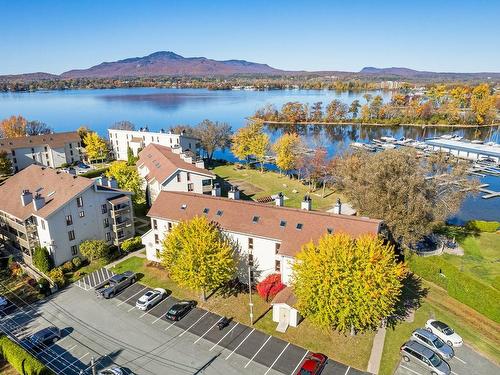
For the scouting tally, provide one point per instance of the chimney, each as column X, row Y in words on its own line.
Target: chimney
column 200, row 163
column 338, row 207
column 306, row 203
column 26, row 197
column 234, row 193
column 176, row 149
column 112, row 183
column 38, row 202
column 279, row 199
column 216, row 190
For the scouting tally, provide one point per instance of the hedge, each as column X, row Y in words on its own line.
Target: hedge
column 132, row 244
column 466, row 289
column 42, row 259
column 20, row 359
column 484, row 226
column 94, row 172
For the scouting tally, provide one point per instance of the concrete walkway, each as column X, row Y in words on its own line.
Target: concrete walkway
column 377, row 349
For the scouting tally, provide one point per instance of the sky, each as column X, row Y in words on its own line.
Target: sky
column 440, row 35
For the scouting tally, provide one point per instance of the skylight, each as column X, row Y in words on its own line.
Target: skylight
column 205, row 210
column 255, row 219
column 329, row 230
column 219, row 213
column 282, row 223
column 299, row 226
column 183, row 206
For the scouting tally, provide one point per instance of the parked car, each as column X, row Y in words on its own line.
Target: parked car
column 413, row 351
column 179, row 310
column 444, row 332
column 111, row 287
column 82, row 165
column 151, row 298
column 111, row 371
column 433, row 342
column 41, row 339
column 313, row 364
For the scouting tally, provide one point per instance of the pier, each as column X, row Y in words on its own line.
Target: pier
column 466, row 150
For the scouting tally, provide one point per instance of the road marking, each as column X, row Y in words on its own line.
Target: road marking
column 454, row 373
column 154, row 307
column 278, row 357
column 76, row 360
column 409, row 369
column 93, row 278
column 199, row 338
column 97, row 276
column 346, row 371
column 255, row 355
column 159, row 318
column 461, row 360
column 192, row 325
column 133, row 307
column 298, row 364
column 171, row 324
column 253, row 329
column 223, row 337
column 132, row 296
column 102, row 274
column 60, row 355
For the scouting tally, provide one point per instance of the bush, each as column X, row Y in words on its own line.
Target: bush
column 20, row 359
column 42, row 259
column 94, row 249
column 57, row 276
column 94, row 172
column 132, row 244
column 43, row 286
column 270, row 286
column 67, row 267
column 484, row 226
column 77, row 262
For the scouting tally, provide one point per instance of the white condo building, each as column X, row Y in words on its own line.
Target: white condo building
column 58, row 211
column 121, row 140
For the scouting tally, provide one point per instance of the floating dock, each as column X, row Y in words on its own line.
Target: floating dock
column 466, row 150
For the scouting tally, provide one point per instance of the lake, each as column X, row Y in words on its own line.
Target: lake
column 163, row 108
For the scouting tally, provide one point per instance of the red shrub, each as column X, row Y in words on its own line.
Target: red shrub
column 270, row 286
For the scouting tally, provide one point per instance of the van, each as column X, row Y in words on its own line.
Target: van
column 414, row 352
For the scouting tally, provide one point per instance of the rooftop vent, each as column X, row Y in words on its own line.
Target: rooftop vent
column 255, row 219
column 329, row 230
column 306, row 203
column 219, row 213
column 234, row 193
column 183, row 206
column 299, row 226
column 205, row 210
column 282, row 223
column 279, row 199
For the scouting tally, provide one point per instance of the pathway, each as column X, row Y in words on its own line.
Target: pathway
column 377, row 349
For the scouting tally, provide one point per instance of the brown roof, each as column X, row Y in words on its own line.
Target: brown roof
column 56, row 187
column 120, row 199
column 261, row 220
column 285, row 295
column 55, row 140
column 162, row 162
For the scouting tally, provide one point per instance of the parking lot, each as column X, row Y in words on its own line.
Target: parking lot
column 114, row 331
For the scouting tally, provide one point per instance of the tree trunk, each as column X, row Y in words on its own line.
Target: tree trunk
column 204, row 295
column 353, row 332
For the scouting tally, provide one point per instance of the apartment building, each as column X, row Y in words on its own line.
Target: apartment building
column 51, row 150
column 121, row 140
column 57, row 210
column 170, row 169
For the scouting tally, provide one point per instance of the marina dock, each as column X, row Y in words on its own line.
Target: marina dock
column 467, row 150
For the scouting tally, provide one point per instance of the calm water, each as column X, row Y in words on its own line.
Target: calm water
column 162, row 108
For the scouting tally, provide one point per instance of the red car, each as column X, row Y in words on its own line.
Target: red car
column 313, row 364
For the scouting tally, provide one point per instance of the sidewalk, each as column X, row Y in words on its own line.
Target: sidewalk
column 377, row 349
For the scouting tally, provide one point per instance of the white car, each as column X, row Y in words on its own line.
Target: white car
column 444, row 332
column 111, row 371
column 151, row 298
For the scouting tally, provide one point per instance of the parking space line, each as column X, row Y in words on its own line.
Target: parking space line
column 154, row 307
column 159, row 318
column 96, row 274
column 75, row 361
column 171, row 324
column 102, row 273
column 461, row 360
column 278, row 357
column 346, row 371
column 122, row 302
column 253, row 329
column 93, row 278
column 409, row 369
column 199, row 338
column 192, row 325
column 132, row 308
column 255, row 355
column 217, row 343
column 298, row 364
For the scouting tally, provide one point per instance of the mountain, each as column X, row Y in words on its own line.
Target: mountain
column 38, row 76
column 166, row 63
column 395, row 72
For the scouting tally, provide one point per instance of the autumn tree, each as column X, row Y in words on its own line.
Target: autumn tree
column 197, row 255
column 483, row 104
column 345, row 284
column 123, row 125
column 316, row 114
column 37, row 127
column 294, row 112
column 127, row 178
column 5, row 164
column 375, row 106
column 250, row 141
column 336, row 111
column 354, row 108
column 82, row 132
column 288, row 151
column 14, row 126
column 213, row 136
column 95, row 147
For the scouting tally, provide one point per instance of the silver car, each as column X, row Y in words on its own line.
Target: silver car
column 412, row 351
column 433, row 342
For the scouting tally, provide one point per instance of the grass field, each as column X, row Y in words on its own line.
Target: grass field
column 353, row 351
column 253, row 185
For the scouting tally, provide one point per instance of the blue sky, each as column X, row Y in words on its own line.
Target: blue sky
column 55, row 36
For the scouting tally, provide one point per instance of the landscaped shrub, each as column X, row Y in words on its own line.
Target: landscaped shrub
column 94, row 172
column 42, row 259
column 57, row 276
column 67, row 267
column 77, row 262
column 20, row 359
column 43, row 286
column 270, row 286
column 94, row 249
column 132, row 244
column 484, row 226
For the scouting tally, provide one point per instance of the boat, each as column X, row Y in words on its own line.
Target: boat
column 477, row 142
column 388, row 139
column 388, row 146
column 357, row 145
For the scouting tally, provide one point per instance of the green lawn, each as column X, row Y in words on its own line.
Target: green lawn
column 85, row 270
column 253, row 185
column 354, row 351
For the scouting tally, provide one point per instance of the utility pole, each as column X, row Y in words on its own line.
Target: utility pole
column 250, row 291
column 92, row 364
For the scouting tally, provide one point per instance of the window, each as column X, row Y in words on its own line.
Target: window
column 43, row 224
column 189, row 145
column 188, row 176
column 70, row 146
column 277, row 246
column 13, row 152
column 157, row 253
column 104, row 208
column 81, row 214
column 206, row 182
column 74, row 250
column 69, row 220
column 120, row 233
column 219, row 213
column 169, row 226
column 155, row 224
column 157, row 239
column 255, row 219
column 299, row 226
column 250, row 260
column 32, row 150
column 45, row 148
column 190, row 187
column 277, row 265
column 108, row 236
column 329, row 230
column 282, row 223
column 179, row 177
column 205, row 210
column 106, row 222
column 46, row 156
column 79, row 202
column 250, row 243
column 14, row 160
column 71, row 152
column 71, row 235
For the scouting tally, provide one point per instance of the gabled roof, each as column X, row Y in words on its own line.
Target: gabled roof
column 162, row 163
column 55, row 140
column 56, row 187
column 289, row 226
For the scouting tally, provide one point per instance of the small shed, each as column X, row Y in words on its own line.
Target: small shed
column 284, row 312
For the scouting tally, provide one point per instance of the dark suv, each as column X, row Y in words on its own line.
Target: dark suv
column 179, row 310
column 41, row 339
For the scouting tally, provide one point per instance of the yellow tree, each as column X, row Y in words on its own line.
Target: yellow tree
column 260, row 148
column 95, row 147
column 482, row 103
column 198, row 256
column 14, row 126
column 127, row 178
column 250, row 141
column 346, row 284
column 287, row 149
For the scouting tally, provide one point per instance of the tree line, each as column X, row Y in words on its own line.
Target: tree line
column 440, row 105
